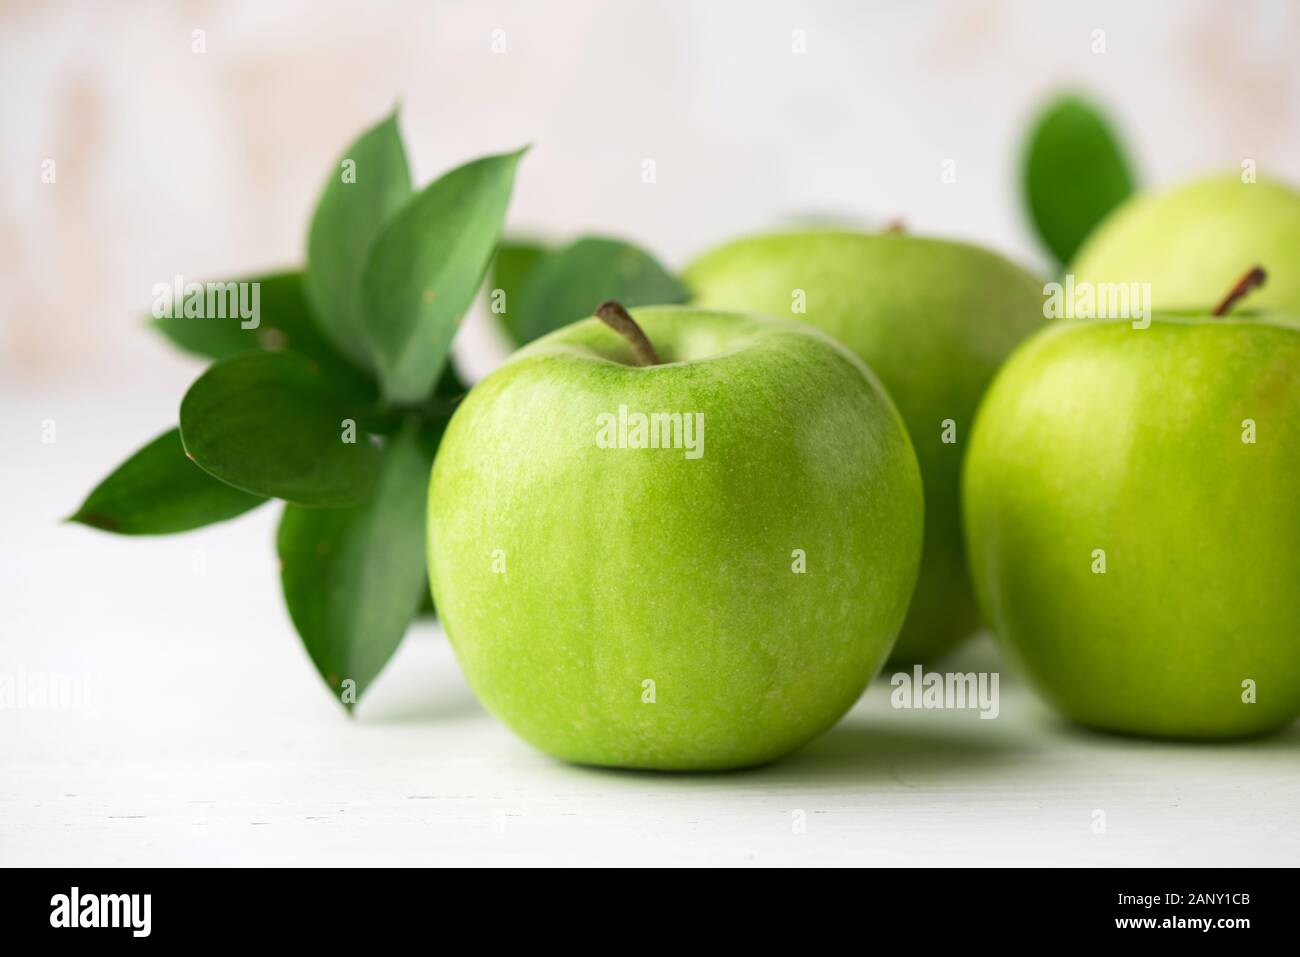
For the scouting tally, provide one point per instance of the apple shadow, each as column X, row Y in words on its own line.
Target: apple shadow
column 855, row 753
column 1279, row 739
column 849, row 755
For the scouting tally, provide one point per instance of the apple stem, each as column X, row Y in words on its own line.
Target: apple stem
column 895, row 227
column 613, row 314
column 1252, row 280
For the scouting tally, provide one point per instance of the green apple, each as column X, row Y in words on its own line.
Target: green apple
column 691, row 559
column 1192, row 241
column 934, row 320
column 1134, row 526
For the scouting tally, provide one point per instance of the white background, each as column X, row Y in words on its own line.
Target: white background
column 206, row 736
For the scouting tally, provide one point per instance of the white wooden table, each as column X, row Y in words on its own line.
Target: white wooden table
column 203, row 735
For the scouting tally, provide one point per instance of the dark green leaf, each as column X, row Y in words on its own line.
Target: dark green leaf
column 425, row 269
column 431, row 431
column 271, row 424
column 449, row 384
column 515, row 260
column 447, row 394
column 284, row 321
column 1075, row 172
column 354, row 578
column 427, row 607
column 369, row 183
column 569, row 284
column 158, row 491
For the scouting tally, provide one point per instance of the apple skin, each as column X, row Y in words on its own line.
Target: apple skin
column 1194, row 241
column 1096, row 435
column 624, row 565
column 934, row 320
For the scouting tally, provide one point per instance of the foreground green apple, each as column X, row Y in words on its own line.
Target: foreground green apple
column 1134, row 524
column 934, row 320
column 1191, row 242
column 710, row 602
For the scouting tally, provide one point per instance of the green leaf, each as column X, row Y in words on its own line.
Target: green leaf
column 271, row 424
column 284, row 323
column 1075, row 172
column 367, row 186
column 425, row 269
column 514, row 262
column 158, row 491
column 449, row 384
column 354, row 578
column 569, row 284
column 427, row 607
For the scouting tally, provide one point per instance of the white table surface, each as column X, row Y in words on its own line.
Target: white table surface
column 207, row 738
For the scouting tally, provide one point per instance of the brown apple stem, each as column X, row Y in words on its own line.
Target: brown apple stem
column 895, row 227
column 1252, row 280
column 616, row 317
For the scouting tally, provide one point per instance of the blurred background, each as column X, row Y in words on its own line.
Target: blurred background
column 208, row 163
column 194, row 137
